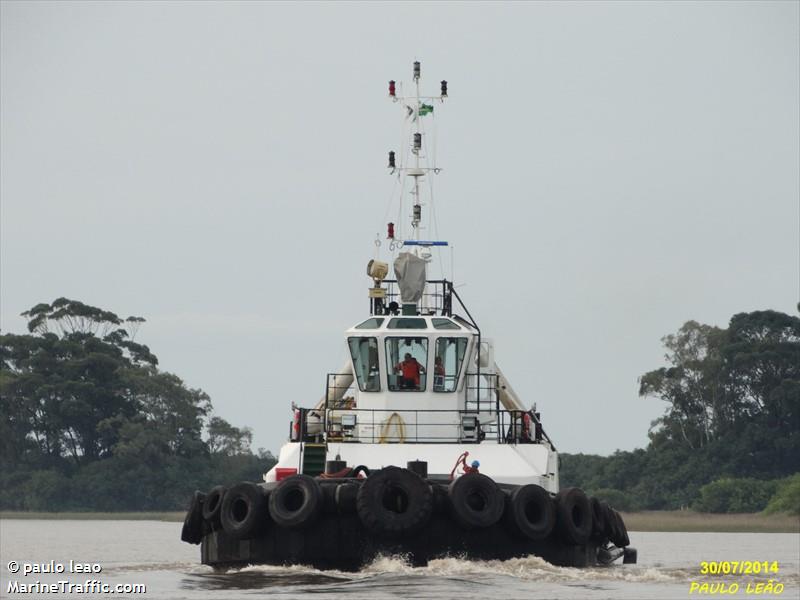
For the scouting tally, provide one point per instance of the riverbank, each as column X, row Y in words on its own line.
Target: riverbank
column 686, row 520
column 677, row 520
column 95, row 516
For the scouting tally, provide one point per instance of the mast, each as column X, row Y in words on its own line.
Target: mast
column 417, row 256
column 416, row 109
column 417, row 210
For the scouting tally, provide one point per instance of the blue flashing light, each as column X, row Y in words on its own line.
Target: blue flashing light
column 421, row 243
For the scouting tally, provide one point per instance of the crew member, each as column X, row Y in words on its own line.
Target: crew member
column 410, row 371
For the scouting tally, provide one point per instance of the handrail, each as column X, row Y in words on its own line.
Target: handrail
column 414, row 426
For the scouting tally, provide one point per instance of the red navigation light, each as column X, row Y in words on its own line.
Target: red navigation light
column 390, row 231
column 391, row 89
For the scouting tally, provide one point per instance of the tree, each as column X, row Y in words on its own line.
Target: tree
column 693, row 385
column 732, row 414
column 83, row 406
column 224, row 438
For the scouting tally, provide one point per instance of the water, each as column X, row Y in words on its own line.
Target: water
column 150, row 553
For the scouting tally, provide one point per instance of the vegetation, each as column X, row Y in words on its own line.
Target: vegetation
column 730, row 433
column 89, row 422
column 786, row 498
column 689, row 520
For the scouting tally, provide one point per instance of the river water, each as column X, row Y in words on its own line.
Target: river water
column 150, row 553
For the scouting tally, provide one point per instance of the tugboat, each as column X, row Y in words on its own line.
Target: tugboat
column 420, row 446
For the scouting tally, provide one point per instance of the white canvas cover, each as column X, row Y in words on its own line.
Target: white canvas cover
column 410, row 272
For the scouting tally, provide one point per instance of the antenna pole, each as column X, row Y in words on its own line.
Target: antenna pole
column 417, row 208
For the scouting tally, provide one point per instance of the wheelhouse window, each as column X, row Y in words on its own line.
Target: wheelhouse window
column 406, row 358
column 447, row 363
column 364, row 351
column 407, row 323
column 444, row 324
column 373, row 323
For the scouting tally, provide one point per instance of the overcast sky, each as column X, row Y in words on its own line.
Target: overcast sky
column 612, row 170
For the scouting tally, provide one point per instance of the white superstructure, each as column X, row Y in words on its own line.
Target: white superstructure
column 421, row 383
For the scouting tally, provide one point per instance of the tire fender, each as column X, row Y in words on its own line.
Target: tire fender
column 212, row 506
column 394, row 502
column 531, row 512
column 476, row 501
column 244, row 511
column 296, row 502
column 574, row 516
column 598, row 519
column 192, row 531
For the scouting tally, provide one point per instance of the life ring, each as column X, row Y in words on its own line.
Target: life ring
column 531, row 512
column 212, row 506
column 476, row 500
column 598, row 519
column 394, row 502
column 296, row 426
column 296, row 502
column 526, row 427
column 244, row 510
column 192, row 531
column 574, row 516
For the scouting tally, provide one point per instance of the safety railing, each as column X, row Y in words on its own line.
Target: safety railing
column 437, row 298
column 387, row 426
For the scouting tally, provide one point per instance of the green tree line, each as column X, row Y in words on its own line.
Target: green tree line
column 729, row 438
column 89, row 422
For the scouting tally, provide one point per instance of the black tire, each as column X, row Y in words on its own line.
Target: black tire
column 212, row 506
column 531, row 512
column 346, row 495
column 192, row 531
column 574, row 516
column 296, row 502
column 244, row 511
column 441, row 501
column 394, row 502
column 620, row 538
column 329, row 498
column 359, row 469
column 608, row 529
column 598, row 520
column 476, row 500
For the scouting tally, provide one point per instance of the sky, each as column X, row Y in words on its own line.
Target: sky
column 610, row 171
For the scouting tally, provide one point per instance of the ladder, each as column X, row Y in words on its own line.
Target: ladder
column 314, row 456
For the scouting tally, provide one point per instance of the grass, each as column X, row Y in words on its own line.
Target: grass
column 685, row 520
column 96, row 516
column 675, row 520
